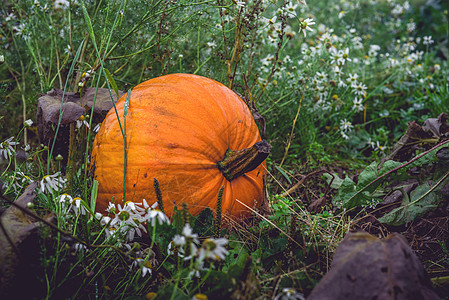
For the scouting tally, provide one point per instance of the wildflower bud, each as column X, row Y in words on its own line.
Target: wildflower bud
column 45, row 148
column 136, row 246
column 2, row 59
column 28, row 123
column 30, row 205
column 436, row 68
column 150, row 296
column 59, row 157
column 199, row 297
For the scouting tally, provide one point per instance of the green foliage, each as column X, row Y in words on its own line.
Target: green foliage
column 363, row 193
column 372, row 182
column 422, row 200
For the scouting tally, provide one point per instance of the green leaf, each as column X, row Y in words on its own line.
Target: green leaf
column 389, row 165
column 345, row 192
column 367, row 176
column 284, row 174
column 113, row 84
column 423, row 199
column 126, row 105
column 88, row 22
column 364, row 193
column 336, row 182
column 93, row 195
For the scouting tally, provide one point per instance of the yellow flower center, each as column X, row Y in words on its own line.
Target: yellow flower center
column 209, row 244
column 123, row 215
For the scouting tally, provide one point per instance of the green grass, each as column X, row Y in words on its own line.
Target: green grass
column 301, row 84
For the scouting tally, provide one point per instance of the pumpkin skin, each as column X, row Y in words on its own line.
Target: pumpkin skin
column 178, row 128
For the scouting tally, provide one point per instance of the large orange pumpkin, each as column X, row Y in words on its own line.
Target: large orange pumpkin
column 191, row 133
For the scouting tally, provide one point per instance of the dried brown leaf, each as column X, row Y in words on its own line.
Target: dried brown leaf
column 365, row 267
column 437, row 126
column 103, row 102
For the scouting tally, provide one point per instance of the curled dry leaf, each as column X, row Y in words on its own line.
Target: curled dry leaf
column 365, row 267
column 73, row 107
column 103, row 102
column 48, row 111
column 416, row 136
column 438, row 126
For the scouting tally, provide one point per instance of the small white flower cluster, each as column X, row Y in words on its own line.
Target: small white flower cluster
column 345, row 128
column 17, row 181
column 129, row 220
column 339, row 57
column 305, row 25
column 187, row 247
column 289, row 294
column 143, row 264
column 62, row 4
column 377, row 147
column 145, row 259
column 399, row 9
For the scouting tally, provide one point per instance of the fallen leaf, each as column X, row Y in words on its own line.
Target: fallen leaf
column 418, row 136
column 73, row 107
column 407, row 145
column 437, row 126
column 103, row 102
column 48, row 111
column 365, row 267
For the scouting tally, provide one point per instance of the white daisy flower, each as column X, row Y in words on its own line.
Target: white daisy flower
column 53, row 182
column 6, row 148
column 213, row 249
column 305, row 25
column 156, row 215
column 144, row 266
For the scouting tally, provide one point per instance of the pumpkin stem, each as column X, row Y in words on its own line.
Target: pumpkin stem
column 239, row 162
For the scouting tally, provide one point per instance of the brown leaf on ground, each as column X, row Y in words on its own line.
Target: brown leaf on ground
column 103, row 102
column 437, row 126
column 48, row 109
column 73, row 107
column 405, row 148
column 365, row 267
column 418, row 136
